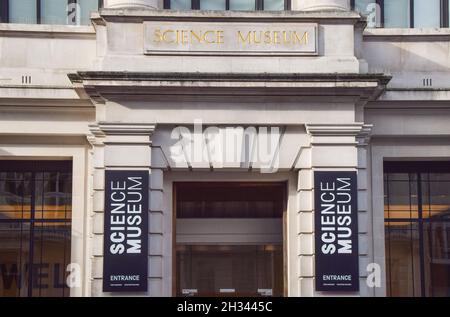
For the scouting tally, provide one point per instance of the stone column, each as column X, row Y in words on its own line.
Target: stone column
column 333, row 147
column 123, row 146
column 144, row 4
column 365, row 207
column 321, row 5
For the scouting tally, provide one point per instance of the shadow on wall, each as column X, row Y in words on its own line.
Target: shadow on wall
column 410, row 58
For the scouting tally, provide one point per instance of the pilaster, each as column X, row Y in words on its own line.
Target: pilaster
column 333, row 147
column 124, row 146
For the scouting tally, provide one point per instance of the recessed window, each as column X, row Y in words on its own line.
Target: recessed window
column 24, row 11
column 35, row 227
column 273, row 5
column 397, row 14
column 404, row 13
column 417, row 228
column 54, row 12
column 180, row 4
column 244, row 5
column 212, row 5
column 234, row 200
column 61, row 12
column 427, row 13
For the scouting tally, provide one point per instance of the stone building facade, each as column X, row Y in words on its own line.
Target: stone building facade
column 122, row 93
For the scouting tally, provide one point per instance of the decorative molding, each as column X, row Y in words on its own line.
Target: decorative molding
column 339, row 17
column 351, row 129
column 102, row 85
column 100, row 131
column 364, row 135
column 119, row 128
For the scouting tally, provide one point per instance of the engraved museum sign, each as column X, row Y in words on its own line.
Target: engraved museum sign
column 218, row 38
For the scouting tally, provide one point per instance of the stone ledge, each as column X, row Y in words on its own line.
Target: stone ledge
column 139, row 14
column 407, row 34
column 46, row 30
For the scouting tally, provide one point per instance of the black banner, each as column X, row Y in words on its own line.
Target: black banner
column 336, row 231
column 126, row 231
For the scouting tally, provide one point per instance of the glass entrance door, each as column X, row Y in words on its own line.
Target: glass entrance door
column 229, row 239
column 230, row 270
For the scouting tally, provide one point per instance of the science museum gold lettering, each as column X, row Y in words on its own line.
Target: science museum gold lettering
column 226, row 39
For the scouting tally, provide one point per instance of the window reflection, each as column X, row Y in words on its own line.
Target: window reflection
column 243, row 5
column 53, row 12
column 273, row 5
column 14, row 252
column 180, row 4
column 246, row 5
column 50, row 11
column 23, row 11
column 212, row 5
column 86, row 7
column 402, row 254
column 417, row 209
column 222, row 200
column 437, row 246
column 35, row 231
column 401, row 192
column 427, row 13
column 229, row 270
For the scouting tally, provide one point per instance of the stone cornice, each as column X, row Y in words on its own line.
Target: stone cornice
column 227, row 77
column 103, row 85
column 103, row 129
column 353, row 129
column 364, row 135
column 139, row 15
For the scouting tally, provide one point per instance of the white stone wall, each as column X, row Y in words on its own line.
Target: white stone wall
column 51, row 117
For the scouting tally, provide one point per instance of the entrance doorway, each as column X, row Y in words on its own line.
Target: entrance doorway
column 229, row 238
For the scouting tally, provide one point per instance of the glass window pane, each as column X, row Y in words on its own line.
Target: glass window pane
column 437, row 259
column 54, row 11
column 212, row 5
column 242, row 5
column 86, row 7
column 403, row 260
column 427, row 13
column 51, row 256
column 371, row 10
column 221, row 270
column 180, row 4
column 273, row 5
column 363, row 6
column 14, row 255
column 53, row 196
column 436, row 196
column 233, row 200
column 15, row 197
column 23, row 11
column 402, row 198
column 439, row 206
column 396, row 14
